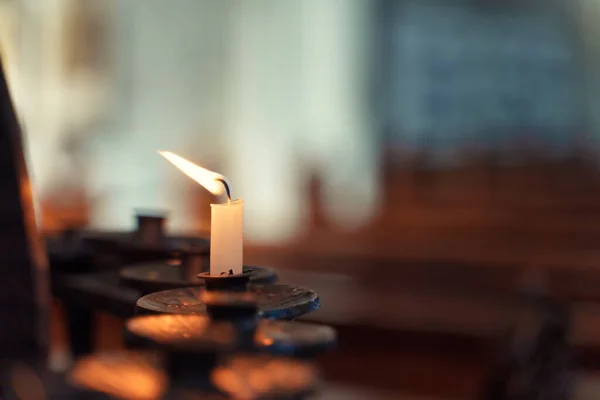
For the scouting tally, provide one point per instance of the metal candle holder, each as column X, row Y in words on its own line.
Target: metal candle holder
column 232, row 322
column 149, row 241
column 150, row 228
column 181, row 271
column 274, row 301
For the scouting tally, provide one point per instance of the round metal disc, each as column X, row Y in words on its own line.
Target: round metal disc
column 157, row 276
column 274, row 301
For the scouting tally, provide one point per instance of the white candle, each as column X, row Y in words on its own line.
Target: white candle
column 226, row 237
column 226, row 232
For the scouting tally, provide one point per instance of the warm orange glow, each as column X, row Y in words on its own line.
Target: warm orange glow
column 251, row 378
column 208, row 179
column 126, row 375
column 228, row 298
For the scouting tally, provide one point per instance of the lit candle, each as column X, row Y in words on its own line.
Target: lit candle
column 226, row 232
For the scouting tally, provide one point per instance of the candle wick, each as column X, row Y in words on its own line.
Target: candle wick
column 227, row 190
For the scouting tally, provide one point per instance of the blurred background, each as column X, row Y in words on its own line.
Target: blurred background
column 413, row 161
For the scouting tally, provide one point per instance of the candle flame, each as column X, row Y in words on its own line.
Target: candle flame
column 209, row 179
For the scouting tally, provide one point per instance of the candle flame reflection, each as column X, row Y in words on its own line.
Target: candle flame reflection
column 209, row 179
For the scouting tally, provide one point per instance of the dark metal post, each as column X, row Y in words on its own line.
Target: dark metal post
column 24, row 281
